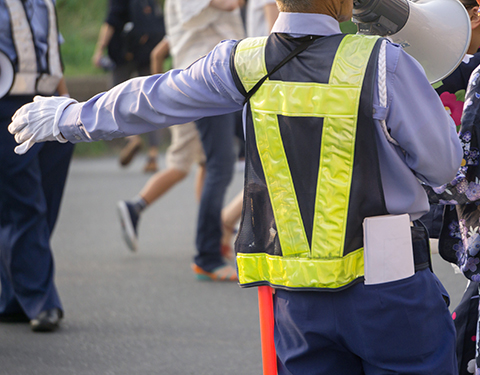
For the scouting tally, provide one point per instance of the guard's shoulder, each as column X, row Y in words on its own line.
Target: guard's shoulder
column 393, row 52
column 393, row 47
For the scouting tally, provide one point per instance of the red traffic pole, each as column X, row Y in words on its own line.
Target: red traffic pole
column 265, row 309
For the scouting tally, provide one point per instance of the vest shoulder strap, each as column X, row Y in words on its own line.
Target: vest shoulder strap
column 249, row 68
column 252, row 49
column 301, row 47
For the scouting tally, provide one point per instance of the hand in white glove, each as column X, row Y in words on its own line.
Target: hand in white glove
column 38, row 121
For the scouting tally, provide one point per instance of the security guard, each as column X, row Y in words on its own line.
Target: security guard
column 339, row 128
column 31, row 186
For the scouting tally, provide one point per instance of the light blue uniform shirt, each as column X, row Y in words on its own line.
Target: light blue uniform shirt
column 430, row 149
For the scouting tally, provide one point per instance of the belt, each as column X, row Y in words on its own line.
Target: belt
column 421, row 246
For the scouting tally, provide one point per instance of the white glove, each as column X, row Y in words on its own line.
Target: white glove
column 38, row 121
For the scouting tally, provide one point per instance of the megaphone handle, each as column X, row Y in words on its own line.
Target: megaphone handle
column 265, row 309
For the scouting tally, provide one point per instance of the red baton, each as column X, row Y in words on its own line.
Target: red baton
column 265, row 309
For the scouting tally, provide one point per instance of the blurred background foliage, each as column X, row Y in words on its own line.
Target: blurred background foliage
column 79, row 22
column 348, row 27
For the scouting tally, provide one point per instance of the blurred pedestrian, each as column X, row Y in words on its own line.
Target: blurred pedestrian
column 126, row 39
column 260, row 17
column 193, row 29
column 457, row 229
column 452, row 93
column 184, row 151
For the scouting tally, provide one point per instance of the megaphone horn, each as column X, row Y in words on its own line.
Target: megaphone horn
column 6, row 74
column 435, row 32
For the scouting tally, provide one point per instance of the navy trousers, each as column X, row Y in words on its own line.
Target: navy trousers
column 31, row 188
column 402, row 327
column 217, row 135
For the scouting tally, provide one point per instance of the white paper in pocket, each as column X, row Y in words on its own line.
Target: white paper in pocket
column 388, row 250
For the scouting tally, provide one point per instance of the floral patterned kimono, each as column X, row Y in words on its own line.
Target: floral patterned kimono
column 459, row 241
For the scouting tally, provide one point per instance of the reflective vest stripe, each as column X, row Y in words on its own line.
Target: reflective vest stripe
column 270, row 146
column 292, row 272
column 324, row 265
column 269, row 100
column 26, row 76
column 338, row 147
column 293, row 238
column 48, row 82
column 250, row 61
column 27, row 79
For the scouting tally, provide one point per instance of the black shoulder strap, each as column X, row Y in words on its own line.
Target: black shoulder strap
column 307, row 41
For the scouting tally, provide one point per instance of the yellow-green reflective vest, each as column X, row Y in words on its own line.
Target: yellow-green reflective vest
column 312, row 172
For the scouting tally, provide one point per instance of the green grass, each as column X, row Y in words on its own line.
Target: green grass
column 348, row 27
column 79, row 22
column 93, row 149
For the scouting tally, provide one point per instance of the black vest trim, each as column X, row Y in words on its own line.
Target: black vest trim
column 236, row 79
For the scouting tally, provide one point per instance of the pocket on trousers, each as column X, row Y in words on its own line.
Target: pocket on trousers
column 412, row 319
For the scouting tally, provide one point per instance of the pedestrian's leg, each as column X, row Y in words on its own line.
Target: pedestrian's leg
column 231, row 214
column 217, row 135
column 120, row 74
column 128, row 152
column 180, row 156
column 200, row 181
column 160, row 183
column 153, row 139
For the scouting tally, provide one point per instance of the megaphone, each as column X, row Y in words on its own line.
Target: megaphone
column 6, row 74
column 435, row 32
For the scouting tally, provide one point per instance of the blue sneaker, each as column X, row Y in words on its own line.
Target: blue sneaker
column 129, row 220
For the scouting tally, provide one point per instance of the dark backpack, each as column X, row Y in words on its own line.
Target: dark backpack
column 144, row 31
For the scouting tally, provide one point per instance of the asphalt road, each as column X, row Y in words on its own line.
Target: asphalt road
column 141, row 313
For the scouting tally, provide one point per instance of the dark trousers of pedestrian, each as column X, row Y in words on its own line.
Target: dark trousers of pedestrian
column 217, row 135
column 31, row 188
column 401, row 327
